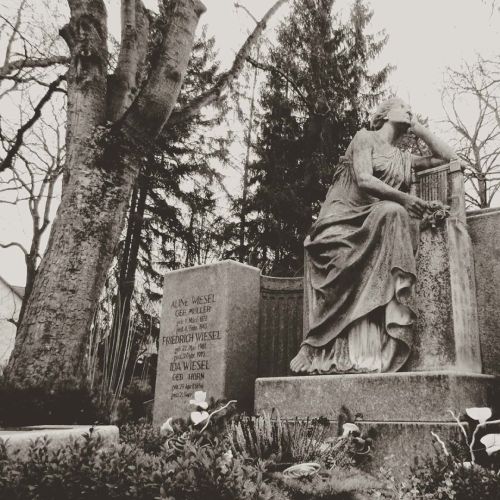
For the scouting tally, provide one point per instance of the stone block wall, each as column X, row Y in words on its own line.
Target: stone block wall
column 484, row 230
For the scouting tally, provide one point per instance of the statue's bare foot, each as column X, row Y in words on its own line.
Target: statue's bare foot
column 302, row 361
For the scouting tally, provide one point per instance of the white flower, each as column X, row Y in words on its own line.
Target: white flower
column 349, row 428
column 199, row 400
column 467, row 465
column 199, row 416
column 491, row 442
column 479, row 414
column 166, row 428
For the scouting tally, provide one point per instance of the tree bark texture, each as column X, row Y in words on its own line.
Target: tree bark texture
column 101, row 170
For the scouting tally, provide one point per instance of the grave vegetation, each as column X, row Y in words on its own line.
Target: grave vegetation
column 228, row 456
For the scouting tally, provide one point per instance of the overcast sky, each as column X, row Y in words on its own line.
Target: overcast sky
column 425, row 37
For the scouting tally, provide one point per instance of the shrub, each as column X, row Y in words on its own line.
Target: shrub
column 445, row 478
column 283, row 440
column 140, row 396
column 84, row 470
column 67, row 402
column 79, row 471
column 210, row 472
column 143, row 436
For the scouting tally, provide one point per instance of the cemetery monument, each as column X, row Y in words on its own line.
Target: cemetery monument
column 385, row 321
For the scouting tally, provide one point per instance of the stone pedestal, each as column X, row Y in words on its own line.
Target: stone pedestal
column 401, row 408
column 208, row 337
column 484, row 230
column 382, row 397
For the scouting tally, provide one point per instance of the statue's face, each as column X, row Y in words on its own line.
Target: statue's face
column 400, row 113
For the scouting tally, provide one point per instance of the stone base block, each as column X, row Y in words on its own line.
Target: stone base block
column 19, row 440
column 399, row 409
column 399, row 446
column 386, row 397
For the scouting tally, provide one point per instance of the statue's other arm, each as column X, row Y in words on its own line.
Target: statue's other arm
column 363, row 170
column 441, row 152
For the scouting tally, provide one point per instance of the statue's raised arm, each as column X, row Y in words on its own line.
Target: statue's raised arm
column 441, row 152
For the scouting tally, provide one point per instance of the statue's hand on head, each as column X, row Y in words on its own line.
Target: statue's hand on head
column 415, row 126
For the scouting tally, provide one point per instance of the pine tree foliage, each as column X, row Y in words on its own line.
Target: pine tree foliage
column 317, row 94
column 172, row 219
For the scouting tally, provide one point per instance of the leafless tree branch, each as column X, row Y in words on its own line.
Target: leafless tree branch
column 7, row 161
column 14, row 244
column 225, row 80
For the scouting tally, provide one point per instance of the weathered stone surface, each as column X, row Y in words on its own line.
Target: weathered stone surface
column 281, row 324
column 447, row 331
column 385, row 397
column 484, row 229
column 208, row 337
column 434, row 342
column 18, row 441
column 398, row 444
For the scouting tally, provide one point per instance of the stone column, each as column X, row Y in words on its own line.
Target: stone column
column 208, row 337
column 447, row 332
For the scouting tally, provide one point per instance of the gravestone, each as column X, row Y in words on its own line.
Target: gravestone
column 444, row 371
column 208, row 337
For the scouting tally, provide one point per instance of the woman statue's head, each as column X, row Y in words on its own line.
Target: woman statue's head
column 394, row 109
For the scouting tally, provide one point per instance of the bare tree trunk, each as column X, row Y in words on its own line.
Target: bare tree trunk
column 243, row 254
column 483, row 190
column 126, row 284
column 101, row 170
column 99, row 178
column 30, row 259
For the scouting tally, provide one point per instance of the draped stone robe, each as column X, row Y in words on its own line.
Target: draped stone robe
column 362, row 269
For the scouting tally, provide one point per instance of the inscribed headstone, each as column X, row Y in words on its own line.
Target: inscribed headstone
column 208, row 337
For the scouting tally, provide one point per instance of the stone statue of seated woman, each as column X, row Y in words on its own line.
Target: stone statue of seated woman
column 361, row 251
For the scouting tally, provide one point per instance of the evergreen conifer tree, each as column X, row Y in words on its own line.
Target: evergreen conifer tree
column 317, row 94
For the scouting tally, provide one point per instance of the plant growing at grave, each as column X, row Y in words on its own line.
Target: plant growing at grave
column 292, row 441
column 144, row 436
column 85, row 470
column 213, row 472
column 480, row 420
column 201, row 427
